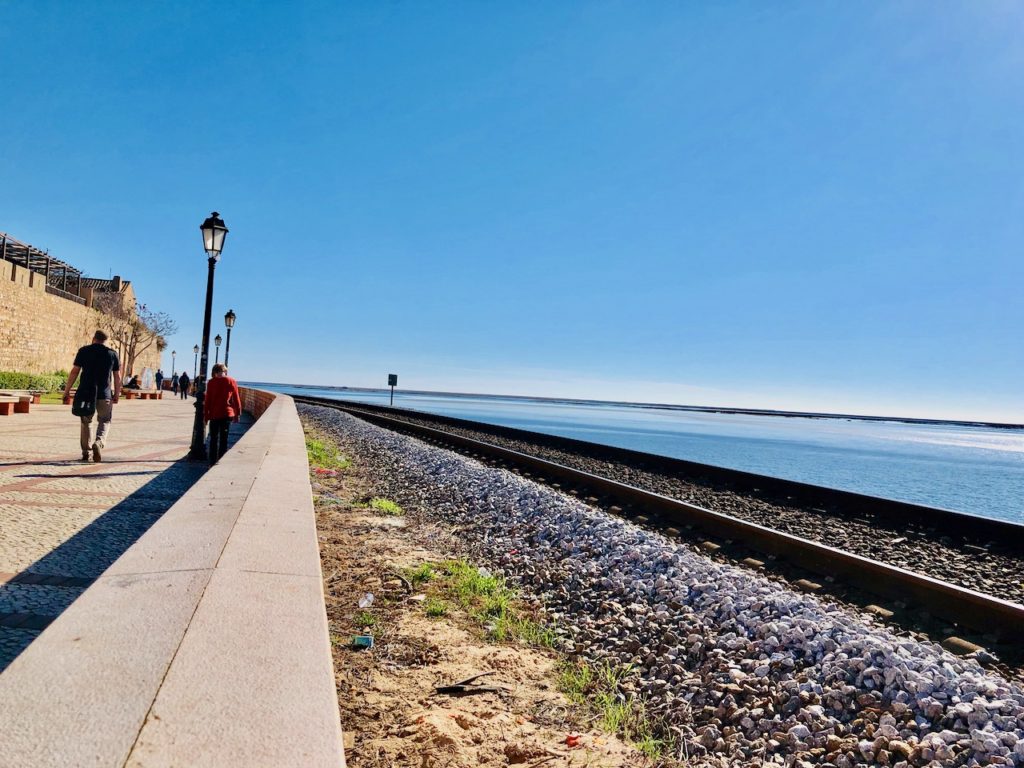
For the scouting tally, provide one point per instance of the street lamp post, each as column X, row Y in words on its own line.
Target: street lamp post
column 214, row 232
column 195, row 363
column 229, row 323
column 173, row 355
column 216, row 343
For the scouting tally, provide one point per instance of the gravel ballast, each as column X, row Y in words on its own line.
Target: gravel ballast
column 746, row 671
column 996, row 573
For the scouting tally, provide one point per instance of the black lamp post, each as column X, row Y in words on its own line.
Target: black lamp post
column 195, row 363
column 214, row 232
column 229, row 323
column 216, row 342
column 173, row 356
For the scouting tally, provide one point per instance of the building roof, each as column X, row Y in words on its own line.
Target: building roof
column 61, row 278
column 36, row 260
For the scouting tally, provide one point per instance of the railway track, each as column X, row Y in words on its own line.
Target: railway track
column 998, row 620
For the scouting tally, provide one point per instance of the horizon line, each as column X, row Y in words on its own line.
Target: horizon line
column 672, row 406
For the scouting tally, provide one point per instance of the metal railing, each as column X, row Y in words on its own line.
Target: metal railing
column 62, row 279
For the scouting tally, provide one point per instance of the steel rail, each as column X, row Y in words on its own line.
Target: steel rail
column 951, row 602
column 973, row 528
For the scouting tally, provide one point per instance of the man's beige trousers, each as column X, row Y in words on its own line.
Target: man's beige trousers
column 104, row 411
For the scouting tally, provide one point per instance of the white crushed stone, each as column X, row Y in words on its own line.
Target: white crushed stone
column 747, row 671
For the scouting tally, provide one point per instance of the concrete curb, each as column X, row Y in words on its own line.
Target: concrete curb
column 205, row 643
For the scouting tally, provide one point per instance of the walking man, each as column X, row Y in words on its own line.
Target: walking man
column 98, row 392
column 174, row 384
column 222, row 405
column 159, row 379
column 183, row 382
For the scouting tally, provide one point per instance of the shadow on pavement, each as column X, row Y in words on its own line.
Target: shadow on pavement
column 44, row 590
column 37, row 475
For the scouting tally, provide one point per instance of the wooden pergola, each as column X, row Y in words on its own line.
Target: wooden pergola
column 62, row 279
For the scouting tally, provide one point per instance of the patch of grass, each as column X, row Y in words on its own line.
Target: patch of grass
column 524, row 629
column 365, row 619
column 475, row 587
column 575, row 680
column 51, row 398
column 435, row 608
column 323, row 455
column 651, row 746
column 420, row 575
column 487, row 598
column 387, row 506
column 597, row 688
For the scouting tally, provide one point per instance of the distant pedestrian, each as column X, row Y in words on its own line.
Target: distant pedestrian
column 221, row 406
column 183, row 383
column 174, row 384
column 159, row 379
column 98, row 392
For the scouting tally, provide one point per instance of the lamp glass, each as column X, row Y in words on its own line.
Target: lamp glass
column 214, row 232
column 229, row 319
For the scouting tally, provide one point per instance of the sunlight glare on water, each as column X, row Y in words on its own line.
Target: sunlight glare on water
column 979, row 470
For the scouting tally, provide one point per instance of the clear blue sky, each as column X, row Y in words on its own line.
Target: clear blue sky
column 808, row 205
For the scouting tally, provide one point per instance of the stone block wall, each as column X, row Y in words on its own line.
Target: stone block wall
column 255, row 401
column 40, row 333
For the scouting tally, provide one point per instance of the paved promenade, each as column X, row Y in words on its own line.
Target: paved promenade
column 63, row 521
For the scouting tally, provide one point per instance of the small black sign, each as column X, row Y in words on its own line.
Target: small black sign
column 392, row 379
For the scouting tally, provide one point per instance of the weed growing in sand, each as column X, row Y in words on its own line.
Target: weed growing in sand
column 487, row 598
column 435, row 608
column 576, row 680
column 387, row 506
column 526, row 630
column 420, row 575
column 323, row 455
column 597, row 688
column 477, row 588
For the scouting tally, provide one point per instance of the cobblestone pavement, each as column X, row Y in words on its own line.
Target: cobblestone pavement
column 64, row 521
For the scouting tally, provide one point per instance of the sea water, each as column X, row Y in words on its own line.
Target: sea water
column 973, row 469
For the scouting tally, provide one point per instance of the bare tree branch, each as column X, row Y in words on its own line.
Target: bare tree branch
column 134, row 328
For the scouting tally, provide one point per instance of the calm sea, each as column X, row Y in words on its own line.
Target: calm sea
column 979, row 470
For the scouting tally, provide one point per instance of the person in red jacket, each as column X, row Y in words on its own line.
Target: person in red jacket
column 223, row 404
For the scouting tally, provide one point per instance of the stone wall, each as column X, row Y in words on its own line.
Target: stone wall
column 39, row 332
column 256, row 401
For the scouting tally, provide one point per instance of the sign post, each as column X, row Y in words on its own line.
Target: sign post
column 392, row 382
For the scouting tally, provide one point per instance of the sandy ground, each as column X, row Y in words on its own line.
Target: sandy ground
column 390, row 712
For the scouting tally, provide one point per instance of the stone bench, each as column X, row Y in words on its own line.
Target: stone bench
column 14, row 404
column 141, row 394
column 35, row 394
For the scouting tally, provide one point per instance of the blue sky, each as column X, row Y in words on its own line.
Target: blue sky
column 807, row 205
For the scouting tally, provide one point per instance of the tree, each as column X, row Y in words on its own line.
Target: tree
column 150, row 327
column 134, row 328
